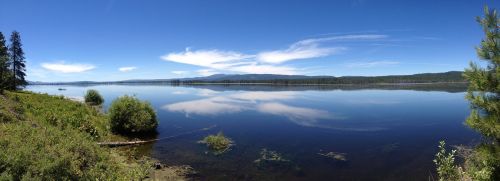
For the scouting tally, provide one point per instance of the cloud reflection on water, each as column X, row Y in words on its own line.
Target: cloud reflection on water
column 271, row 103
column 259, row 101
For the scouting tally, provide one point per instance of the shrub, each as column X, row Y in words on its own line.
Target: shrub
column 93, row 97
column 49, row 153
column 484, row 162
column 59, row 112
column 130, row 115
column 445, row 163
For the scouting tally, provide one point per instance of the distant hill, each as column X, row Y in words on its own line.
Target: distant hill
column 448, row 77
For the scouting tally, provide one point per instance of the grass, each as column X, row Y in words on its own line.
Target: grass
column 218, row 143
column 46, row 137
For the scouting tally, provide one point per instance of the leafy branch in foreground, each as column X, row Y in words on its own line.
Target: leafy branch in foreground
column 445, row 163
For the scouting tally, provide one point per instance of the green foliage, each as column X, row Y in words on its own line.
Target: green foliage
column 63, row 113
column 17, row 60
column 44, row 153
column 484, row 87
column 44, row 140
column 445, row 163
column 218, row 143
column 4, row 64
column 483, row 163
column 93, row 97
column 130, row 115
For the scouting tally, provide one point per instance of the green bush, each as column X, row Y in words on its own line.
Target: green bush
column 93, row 97
column 62, row 113
column 483, row 163
column 445, row 163
column 48, row 153
column 55, row 139
column 130, row 115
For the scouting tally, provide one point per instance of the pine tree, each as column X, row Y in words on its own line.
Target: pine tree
column 4, row 64
column 484, row 87
column 17, row 60
column 484, row 96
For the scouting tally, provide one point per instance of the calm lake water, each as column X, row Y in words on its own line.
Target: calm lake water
column 376, row 133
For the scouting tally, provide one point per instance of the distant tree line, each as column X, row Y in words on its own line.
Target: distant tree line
column 449, row 77
column 12, row 63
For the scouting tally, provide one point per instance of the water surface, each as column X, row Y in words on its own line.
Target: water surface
column 384, row 133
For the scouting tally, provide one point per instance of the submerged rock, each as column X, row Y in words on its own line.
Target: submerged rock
column 270, row 156
column 390, row 147
column 334, row 155
column 183, row 172
column 273, row 161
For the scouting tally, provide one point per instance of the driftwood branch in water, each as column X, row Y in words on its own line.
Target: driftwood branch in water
column 138, row 142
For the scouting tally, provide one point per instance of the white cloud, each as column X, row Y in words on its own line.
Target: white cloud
column 206, row 72
column 67, row 68
column 296, row 52
column 307, row 116
column 210, row 106
column 371, row 64
column 263, row 62
column 342, row 38
column 264, row 69
column 127, row 69
column 310, row 48
column 207, row 58
column 180, row 72
column 255, row 96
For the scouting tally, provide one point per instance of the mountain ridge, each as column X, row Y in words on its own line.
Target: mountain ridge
column 450, row 76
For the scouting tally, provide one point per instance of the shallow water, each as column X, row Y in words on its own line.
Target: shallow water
column 380, row 133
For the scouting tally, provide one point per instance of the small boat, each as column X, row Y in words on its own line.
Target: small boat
column 61, row 89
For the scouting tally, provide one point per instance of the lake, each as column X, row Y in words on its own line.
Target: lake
column 321, row 132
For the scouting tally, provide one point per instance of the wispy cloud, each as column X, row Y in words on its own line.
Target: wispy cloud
column 270, row 61
column 361, row 37
column 179, row 72
column 371, row 64
column 265, row 69
column 295, row 52
column 206, row 72
column 126, row 69
column 216, row 59
column 67, row 68
column 310, row 48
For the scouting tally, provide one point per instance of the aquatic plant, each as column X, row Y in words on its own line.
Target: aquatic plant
column 131, row 115
column 217, row 143
column 93, row 97
column 334, row 155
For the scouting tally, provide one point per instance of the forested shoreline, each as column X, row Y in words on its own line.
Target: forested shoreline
column 424, row 78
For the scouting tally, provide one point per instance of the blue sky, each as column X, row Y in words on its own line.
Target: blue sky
column 129, row 39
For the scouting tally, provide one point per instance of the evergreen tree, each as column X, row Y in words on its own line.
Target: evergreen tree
column 484, row 87
column 17, row 60
column 483, row 163
column 4, row 64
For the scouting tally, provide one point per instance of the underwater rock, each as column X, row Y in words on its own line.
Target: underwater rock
column 273, row 161
column 270, row 156
column 390, row 147
column 334, row 155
